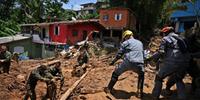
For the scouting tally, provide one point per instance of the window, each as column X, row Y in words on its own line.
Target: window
column 56, row 30
column 90, row 11
column 118, row 16
column 84, row 34
column 105, row 17
column 74, row 32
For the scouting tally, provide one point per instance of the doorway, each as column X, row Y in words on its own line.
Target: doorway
column 84, row 34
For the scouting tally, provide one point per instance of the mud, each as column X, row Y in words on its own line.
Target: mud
column 12, row 86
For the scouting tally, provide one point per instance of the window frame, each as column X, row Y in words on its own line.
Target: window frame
column 118, row 16
column 105, row 17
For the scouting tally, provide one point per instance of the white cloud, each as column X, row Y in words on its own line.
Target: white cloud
column 76, row 7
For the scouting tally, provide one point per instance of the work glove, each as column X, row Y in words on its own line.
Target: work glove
column 114, row 60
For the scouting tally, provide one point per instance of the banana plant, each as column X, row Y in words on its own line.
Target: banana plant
column 8, row 28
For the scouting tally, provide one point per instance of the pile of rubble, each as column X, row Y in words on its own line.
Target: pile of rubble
column 154, row 44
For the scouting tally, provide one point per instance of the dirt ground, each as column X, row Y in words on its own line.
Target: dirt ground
column 12, row 86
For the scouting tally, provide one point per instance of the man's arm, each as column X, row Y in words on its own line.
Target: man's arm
column 160, row 51
column 7, row 57
column 60, row 76
column 48, row 74
column 39, row 77
column 120, row 53
column 61, row 79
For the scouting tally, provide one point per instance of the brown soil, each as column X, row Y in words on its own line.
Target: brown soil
column 12, row 86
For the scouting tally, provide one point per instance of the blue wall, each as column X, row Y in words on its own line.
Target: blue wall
column 189, row 12
column 188, row 17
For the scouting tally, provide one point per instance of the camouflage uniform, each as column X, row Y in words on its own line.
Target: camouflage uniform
column 83, row 58
column 54, row 71
column 5, row 57
column 40, row 73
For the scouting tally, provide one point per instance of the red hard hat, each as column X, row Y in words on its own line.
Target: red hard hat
column 166, row 29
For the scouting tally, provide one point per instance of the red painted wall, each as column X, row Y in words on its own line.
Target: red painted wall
column 66, row 32
column 128, row 19
column 58, row 38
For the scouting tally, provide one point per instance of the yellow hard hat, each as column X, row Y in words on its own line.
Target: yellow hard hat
column 126, row 33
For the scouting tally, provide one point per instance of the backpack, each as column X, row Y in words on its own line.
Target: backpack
column 181, row 44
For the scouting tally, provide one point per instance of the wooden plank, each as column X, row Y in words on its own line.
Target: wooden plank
column 71, row 89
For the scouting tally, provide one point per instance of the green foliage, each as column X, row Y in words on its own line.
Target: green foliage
column 68, row 14
column 6, row 8
column 8, row 28
column 14, row 12
column 39, row 10
column 169, row 7
column 146, row 11
column 90, row 16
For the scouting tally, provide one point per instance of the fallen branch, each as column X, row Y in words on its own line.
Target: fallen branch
column 70, row 90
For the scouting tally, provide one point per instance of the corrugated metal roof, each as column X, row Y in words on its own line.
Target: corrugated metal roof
column 12, row 38
column 85, row 4
column 61, row 22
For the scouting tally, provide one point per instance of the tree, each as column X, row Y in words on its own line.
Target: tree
column 68, row 14
column 8, row 28
column 170, row 6
column 89, row 16
column 147, row 12
column 39, row 10
column 6, row 8
column 15, row 12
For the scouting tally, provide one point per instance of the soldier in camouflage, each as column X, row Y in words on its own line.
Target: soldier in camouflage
column 55, row 72
column 5, row 59
column 35, row 75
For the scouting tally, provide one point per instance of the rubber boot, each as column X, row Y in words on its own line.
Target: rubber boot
column 181, row 90
column 157, row 88
column 170, row 82
column 111, row 84
column 140, row 85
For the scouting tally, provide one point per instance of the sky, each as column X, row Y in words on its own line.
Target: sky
column 75, row 4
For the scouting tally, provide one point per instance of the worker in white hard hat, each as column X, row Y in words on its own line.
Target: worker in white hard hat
column 132, row 51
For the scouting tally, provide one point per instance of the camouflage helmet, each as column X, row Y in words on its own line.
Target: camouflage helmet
column 42, row 67
column 57, row 64
column 3, row 48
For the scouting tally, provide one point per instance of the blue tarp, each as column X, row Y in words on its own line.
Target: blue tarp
column 23, row 56
column 181, row 28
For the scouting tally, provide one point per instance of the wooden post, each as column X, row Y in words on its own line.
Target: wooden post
column 111, row 33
